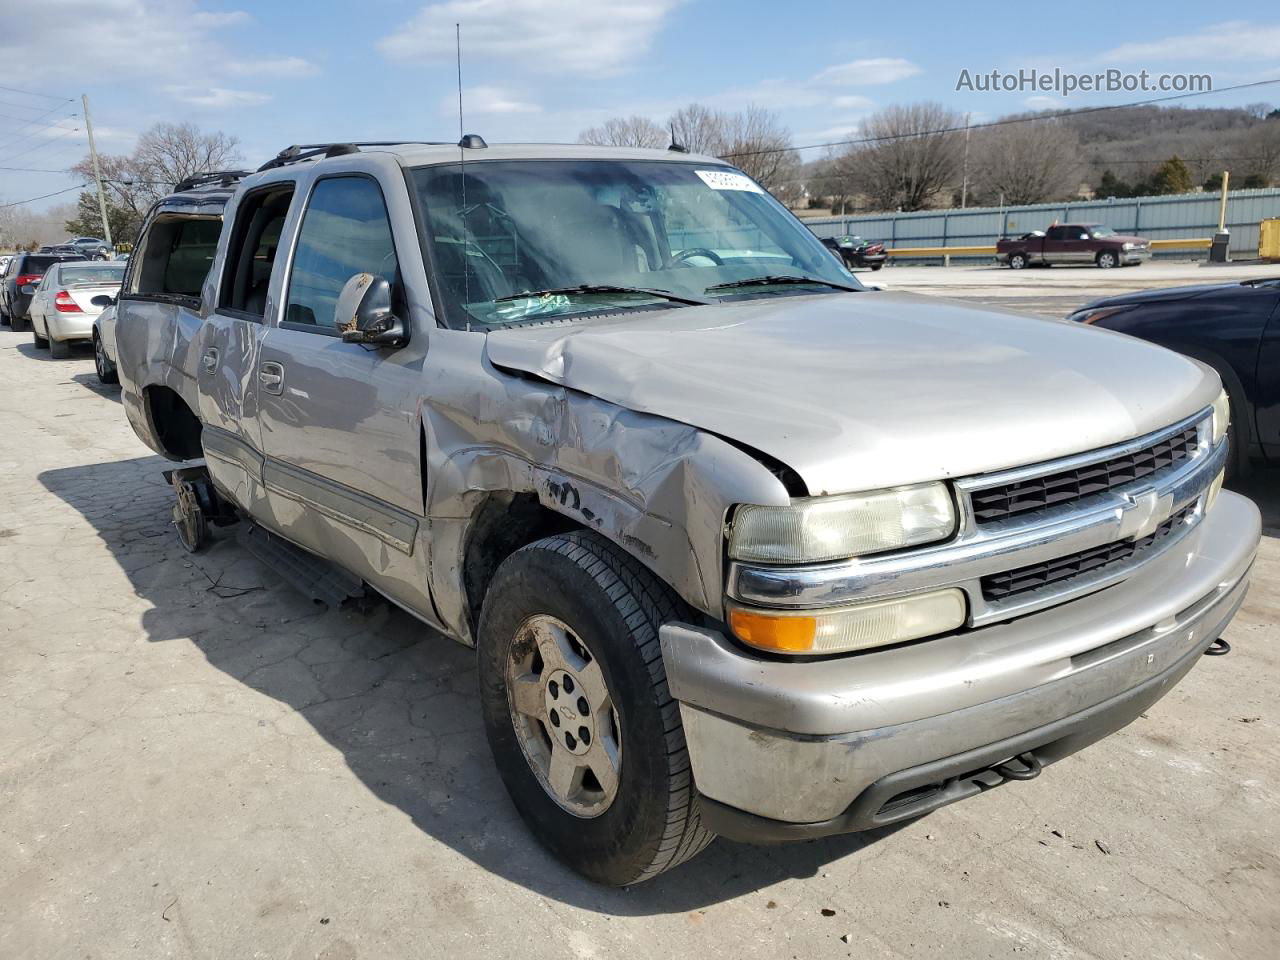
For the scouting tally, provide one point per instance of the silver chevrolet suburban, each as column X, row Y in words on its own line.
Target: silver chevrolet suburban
column 743, row 547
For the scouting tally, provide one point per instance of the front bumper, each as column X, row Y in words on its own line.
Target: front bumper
column 797, row 749
column 1130, row 257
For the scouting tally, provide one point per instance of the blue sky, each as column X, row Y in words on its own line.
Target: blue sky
column 275, row 73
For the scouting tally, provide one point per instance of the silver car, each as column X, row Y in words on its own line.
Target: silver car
column 68, row 299
column 742, row 546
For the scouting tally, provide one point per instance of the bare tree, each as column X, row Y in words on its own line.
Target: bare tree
column 754, row 139
column 908, row 162
column 699, row 129
column 760, row 146
column 165, row 155
column 1029, row 162
column 634, row 131
column 1260, row 149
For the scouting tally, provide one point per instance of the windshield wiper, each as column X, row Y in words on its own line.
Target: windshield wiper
column 772, row 279
column 602, row 288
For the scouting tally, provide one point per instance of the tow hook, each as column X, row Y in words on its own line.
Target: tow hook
column 1219, row 648
column 1029, row 770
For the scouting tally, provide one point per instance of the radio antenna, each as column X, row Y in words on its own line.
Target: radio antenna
column 462, row 180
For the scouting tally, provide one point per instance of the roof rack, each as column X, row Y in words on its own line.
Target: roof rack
column 222, row 177
column 306, row 151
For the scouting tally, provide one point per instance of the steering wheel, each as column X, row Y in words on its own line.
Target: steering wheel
column 711, row 255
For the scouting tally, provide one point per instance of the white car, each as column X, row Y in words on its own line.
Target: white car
column 68, row 299
column 104, row 345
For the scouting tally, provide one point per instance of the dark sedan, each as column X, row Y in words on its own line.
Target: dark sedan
column 25, row 270
column 856, row 252
column 1233, row 327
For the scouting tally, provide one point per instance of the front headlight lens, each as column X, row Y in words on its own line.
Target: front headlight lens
column 833, row 528
column 1221, row 417
column 846, row 629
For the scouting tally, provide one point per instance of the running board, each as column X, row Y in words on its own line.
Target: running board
column 313, row 576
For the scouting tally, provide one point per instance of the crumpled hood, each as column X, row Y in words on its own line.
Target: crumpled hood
column 874, row 389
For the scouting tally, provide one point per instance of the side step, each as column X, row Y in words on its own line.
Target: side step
column 314, row 576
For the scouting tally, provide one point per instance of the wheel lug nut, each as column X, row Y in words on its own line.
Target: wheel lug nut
column 583, row 709
column 555, row 719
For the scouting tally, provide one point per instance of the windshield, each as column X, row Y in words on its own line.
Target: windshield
column 92, row 274
column 506, row 228
column 1101, row 231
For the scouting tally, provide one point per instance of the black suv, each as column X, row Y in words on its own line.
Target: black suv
column 25, row 269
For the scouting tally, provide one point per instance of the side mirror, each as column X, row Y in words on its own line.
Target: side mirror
column 103, row 300
column 363, row 313
column 28, row 289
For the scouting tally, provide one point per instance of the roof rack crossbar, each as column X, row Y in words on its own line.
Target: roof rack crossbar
column 306, row 151
column 225, row 177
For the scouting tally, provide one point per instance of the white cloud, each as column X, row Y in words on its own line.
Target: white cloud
column 216, row 98
column 229, row 18
column 852, row 102
column 1233, row 40
column 871, row 72
column 552, row 36
column 486, row 100
column 123, row 40
column 272, row 67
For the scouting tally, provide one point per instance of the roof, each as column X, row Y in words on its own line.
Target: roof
column 416, row 154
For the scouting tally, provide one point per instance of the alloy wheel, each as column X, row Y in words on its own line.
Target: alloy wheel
column 564, row 716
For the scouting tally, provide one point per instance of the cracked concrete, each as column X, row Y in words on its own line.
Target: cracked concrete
column 195, row 761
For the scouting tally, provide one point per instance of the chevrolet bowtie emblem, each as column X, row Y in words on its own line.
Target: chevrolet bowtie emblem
column 1147, row 512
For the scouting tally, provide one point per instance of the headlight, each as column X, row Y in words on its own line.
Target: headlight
column 1094, row 314
column 1221, row 417
column 845, row 629
column 1129, row 246
column 833, row 528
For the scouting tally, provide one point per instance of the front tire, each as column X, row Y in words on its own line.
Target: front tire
column 1107, row 260
column 102, row 365
column 41, row 343
column 1018, row 261
column 608, row 789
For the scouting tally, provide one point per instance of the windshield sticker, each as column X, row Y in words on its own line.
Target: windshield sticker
column 728, row 180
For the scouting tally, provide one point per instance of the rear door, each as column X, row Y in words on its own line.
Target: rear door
column 225, row 351
column 1057, row 245
column 339, row 421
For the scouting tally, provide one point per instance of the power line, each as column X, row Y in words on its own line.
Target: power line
column 32, row 170
column 998, row 123
column 33, row 122
column 32, row 93
column 18, row 106
column 56, row 193
column 41, row 144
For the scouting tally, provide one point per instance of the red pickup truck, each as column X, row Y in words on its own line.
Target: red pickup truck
column 1073, row 243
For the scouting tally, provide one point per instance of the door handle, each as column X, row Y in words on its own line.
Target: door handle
column 210, row 359
column 271, row 376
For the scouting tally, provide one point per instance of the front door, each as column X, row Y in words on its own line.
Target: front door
column 339, row 421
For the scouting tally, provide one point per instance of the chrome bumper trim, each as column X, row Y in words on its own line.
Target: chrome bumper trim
column 1125, row 513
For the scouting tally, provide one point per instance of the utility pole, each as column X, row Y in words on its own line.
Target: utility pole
column 97, row 172
column 964, row 180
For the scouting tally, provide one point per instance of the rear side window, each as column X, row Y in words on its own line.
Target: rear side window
column 1056, row 233
column 345, row 231
column 175, row 257
column 251, row 254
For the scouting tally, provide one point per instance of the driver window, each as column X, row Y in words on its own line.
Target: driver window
column 345, row 231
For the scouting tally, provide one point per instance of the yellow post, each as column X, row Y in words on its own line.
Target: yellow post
column 1222, row 206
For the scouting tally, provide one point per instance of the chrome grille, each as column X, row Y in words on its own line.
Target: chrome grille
column 1011, row 583
column 1064, row 486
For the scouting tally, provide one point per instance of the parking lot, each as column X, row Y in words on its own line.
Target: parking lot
column 195, row 761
